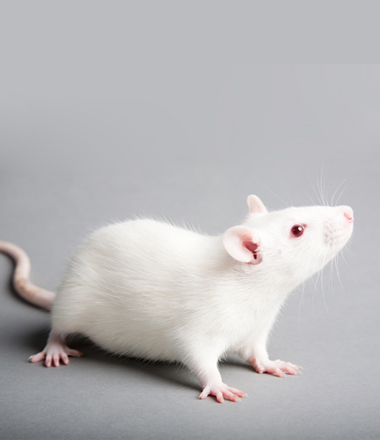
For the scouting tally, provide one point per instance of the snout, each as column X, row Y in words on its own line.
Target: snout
column 339, row 230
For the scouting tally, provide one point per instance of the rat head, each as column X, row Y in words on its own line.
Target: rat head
column 290, row 244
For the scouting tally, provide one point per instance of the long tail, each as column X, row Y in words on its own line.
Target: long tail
column 26, row 289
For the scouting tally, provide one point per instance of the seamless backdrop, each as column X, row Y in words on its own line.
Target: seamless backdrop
column 111, row 111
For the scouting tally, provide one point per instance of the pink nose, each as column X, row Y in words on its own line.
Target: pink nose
column 349, row 216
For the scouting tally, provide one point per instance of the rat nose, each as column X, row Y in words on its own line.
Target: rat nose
column 349, row 217
column 349, row 214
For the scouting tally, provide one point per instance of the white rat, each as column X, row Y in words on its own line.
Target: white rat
column 152, row 290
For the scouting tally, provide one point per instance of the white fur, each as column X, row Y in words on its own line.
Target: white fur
column 153, row 290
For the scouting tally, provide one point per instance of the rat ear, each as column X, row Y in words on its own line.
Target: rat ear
column 255, row 205
column 242, row 243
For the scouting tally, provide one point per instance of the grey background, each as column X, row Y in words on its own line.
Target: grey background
column 110, row 110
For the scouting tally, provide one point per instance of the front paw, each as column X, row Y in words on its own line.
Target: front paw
column 222, row 391
column 277, row 368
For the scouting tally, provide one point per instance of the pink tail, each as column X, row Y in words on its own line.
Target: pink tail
column 26, row 289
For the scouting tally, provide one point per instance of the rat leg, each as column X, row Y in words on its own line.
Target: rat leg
column 205, row 366
column 56, row 351
column 256, row 354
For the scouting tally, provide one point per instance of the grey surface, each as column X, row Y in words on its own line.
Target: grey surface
column 108, row 112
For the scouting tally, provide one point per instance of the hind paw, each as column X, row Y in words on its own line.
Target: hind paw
column 277, row 368
column 55, row 352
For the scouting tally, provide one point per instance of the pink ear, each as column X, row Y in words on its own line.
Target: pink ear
column 255, row 205
column 242, row 244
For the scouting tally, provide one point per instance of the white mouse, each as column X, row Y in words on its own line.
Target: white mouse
column 152, row 290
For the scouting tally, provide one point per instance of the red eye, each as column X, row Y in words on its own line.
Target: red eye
column 297, row 230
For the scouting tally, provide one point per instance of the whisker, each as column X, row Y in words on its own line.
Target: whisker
column 323, row 187
column 323, row 291
column 262, row 183
column 311, row 199
column 341, row 183
column 341, row 193
column 314, row 190
column 333, row 269
column 291, row 201
column 337, row 270
column 316, row 280
column 319, row 186
column 343, row 257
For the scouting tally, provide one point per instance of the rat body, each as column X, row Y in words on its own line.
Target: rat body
column 152, row 290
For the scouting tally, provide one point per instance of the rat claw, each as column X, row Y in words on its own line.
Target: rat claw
column 37, row 357
column 48, row 361
column 204, row 393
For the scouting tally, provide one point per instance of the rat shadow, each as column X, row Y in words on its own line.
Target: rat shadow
column 169, row 372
